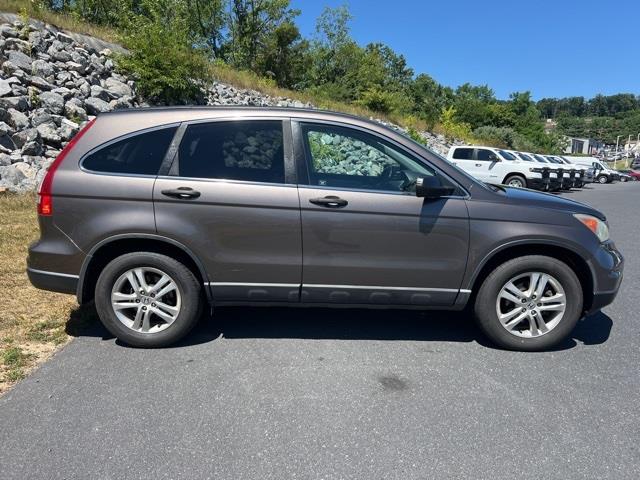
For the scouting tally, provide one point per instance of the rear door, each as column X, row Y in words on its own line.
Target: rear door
column 229, row 198
column 367, row 238
column 463, row 157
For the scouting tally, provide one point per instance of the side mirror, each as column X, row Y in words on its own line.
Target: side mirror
column 430, row 187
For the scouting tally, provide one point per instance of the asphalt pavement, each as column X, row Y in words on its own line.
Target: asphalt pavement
column 342, row 394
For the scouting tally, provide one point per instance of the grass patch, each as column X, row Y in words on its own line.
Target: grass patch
column 59, row 20
column 32, row 322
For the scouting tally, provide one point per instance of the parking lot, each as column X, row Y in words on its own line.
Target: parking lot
column 319, row 393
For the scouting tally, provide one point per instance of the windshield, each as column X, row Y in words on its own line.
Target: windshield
column 554, row 160
column 540, row 158
column 507, row 155
column 524, row 157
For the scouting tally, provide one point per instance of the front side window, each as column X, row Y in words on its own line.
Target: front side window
column 139, row 154
column 249, row 150
column 486, row 155
column 348, row 158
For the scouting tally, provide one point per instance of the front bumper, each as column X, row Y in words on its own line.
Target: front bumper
column 608, row 267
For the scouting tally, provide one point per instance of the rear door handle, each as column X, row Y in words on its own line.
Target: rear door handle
column 329, row 201
column 181, row 192
column 478, row 164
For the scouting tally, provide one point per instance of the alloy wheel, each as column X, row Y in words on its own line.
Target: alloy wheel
column 531, row 304
column 146, row 299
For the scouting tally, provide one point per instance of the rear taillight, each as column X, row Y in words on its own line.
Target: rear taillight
column 45, row 202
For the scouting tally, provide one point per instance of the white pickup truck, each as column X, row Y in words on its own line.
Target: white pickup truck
column 498, row 166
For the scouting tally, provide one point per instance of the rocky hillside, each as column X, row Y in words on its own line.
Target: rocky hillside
column 50, row 85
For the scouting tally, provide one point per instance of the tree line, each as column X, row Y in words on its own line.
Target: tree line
column 174, row 42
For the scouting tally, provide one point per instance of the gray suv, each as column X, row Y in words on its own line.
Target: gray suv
column 154, row 213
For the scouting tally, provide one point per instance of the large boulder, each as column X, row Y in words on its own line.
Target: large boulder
column 5, row 88
column 49, row 133
column 42, row 68
column 17, row 119
column 20, row 60
column 117, row 88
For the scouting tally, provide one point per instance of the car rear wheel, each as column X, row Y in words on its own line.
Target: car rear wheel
column 602, row 179
column 529, row 303
column 147, row 299
column 623, row 179
column 516, row 181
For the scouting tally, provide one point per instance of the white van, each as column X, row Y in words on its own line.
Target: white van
column 498, row 166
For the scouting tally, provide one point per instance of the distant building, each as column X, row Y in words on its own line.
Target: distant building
column 632, row 147
column 585, row 146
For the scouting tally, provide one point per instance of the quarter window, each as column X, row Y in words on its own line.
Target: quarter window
column 348, row 158
column 238, row 150
column 139, row 154
column 463, row 153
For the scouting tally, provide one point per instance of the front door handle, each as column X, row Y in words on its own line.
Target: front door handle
column 329, row 202
column 182, row 193
column 478, row 164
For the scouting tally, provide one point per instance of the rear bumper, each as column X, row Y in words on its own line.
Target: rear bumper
column 53, row 281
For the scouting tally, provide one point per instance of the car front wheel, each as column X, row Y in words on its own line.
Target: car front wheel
column 147, row 299
column 516, row 181
column 529, row 303
column 603, row 179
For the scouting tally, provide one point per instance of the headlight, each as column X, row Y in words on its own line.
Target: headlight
column 597, row 226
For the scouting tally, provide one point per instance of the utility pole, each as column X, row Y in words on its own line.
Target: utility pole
column 617, row 143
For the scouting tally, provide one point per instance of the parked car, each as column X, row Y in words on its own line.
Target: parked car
column 555, row 173
column 153, row 212
column 633, row 175
column 575, row 173
column 635, row 164
column 496, row 166
column 564, row 174
column 588, row 173
column 603, row 173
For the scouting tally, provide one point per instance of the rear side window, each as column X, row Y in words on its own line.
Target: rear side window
column 463, row 153
column 139, row 154
column 485, row 155
column 240, row 150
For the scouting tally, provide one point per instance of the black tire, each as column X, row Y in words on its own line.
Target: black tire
column 485, row 304
column 602, row 179
column 623, row 179
column 187, row 284
column 516, row 179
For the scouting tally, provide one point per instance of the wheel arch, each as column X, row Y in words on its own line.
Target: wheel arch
column 508, row 252
column 517, row 174
column 108, row 249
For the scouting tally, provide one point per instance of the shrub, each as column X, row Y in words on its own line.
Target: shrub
column 167, row 68
column 452, row 129
column 495, row 136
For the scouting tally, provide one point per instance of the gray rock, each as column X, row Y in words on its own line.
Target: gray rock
column 64, row 91
column 74, row 111
column 9, row 68
column 25, row 136
column 53, row 102
column 7, row 31
column 5, row 88
column 11, row 175
column 49, row 133
column 40, row 116
column 17, row 45
column 16, row 119
column 4, row 160
column 4, row 128
column 42, row 68
column 59, row 55
column 95, row 106
column 68, row 129
column 7, row 143
column 20, row 103
column 20, row 60
column 75, row 67
column 64, row 38
column 40, row 83
column 27, row 170
column 32, row 148
column 98, row 92
column 117, row 88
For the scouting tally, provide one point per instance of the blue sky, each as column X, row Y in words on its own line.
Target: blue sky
column 552, row 48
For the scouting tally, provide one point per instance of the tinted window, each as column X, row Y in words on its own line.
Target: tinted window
column 139, row 154
column 463, row 153
column 525, row 157
column 240, row 150
column 507, row 155
column 540, row 158
column 342, row 157
column 486, row 155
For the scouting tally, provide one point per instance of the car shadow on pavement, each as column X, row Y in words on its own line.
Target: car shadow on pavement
column 338, row 324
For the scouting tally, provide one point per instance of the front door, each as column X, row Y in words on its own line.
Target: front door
column 227, row 200
column 366, row 237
